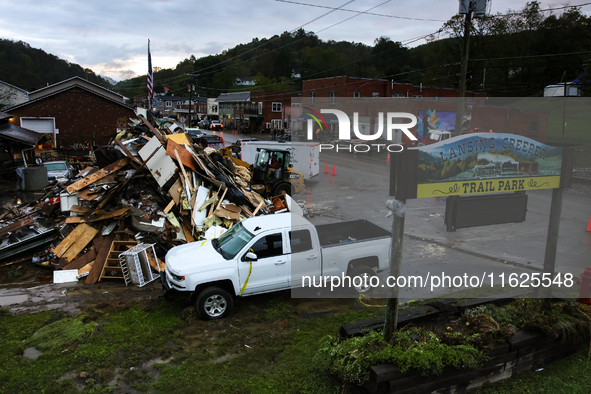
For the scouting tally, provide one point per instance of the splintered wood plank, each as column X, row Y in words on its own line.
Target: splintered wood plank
column 103, row 216
column 75, row 242
column 82, row 260
column 184, row 156
column 103, row 246
column 95, row 176
column 80, row 209
column 152, row 129
column 187, row 233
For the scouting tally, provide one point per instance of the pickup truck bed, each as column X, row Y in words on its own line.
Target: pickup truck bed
column 347, row 232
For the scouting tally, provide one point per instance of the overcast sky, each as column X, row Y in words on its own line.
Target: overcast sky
column 111, row 37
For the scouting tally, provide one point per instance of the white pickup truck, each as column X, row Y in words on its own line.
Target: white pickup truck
column 272, row 253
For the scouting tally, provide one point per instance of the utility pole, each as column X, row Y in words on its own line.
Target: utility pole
column 463, row 69
column 190, row 93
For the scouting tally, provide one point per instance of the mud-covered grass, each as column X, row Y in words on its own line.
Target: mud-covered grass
column 157, row 346
column 267, row 345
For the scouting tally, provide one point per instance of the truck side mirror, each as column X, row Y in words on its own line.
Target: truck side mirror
column 250, row 256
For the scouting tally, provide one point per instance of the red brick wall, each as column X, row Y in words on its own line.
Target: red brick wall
column 80, row 116
column 345, row 86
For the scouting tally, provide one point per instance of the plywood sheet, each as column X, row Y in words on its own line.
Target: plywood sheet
column 75, row 242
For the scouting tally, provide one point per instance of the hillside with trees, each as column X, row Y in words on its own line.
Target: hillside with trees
column 31, row 68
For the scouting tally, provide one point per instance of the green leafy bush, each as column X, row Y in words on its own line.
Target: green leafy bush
column 351, row 359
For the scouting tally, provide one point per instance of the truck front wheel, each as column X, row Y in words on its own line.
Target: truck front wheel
column 213, row 303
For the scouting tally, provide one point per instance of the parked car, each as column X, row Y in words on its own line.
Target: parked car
column 204, row 124
column 270, row 253
column 216, row 125
column 59, row 171
column 194, row 132
column 212, row 141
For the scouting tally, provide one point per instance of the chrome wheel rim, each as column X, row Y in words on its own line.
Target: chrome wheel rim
column 215, row 305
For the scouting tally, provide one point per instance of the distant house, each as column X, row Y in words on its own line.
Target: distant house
column 72, row 112
column 244, row 81
column 11, row 95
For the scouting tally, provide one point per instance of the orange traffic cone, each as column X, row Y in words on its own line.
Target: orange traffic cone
column 334, row 170
column 388, row 159
column 326, row 171
column 589, row 225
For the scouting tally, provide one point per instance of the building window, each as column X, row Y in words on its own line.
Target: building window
column 312, row 97
column 357, row 94
column 375, row 94
column 169, row 103
column 333, row 97
column 260, row 108
column 276, row 123
column 397, row 95
column 417, row 96
column 276, row 107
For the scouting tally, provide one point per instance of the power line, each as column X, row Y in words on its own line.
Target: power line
column 367, row 13
column 268, row 42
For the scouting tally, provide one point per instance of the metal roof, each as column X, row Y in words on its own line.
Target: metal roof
column 19, row 134
column 233, row 97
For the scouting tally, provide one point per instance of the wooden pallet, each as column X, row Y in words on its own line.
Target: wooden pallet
column 112, row 268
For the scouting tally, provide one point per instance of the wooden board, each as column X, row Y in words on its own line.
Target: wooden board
column 75, row 242
column 95, row 218
column 102, row 245
column 185, row 157
column 95, row 176
column 179, row 139
column 82, row 260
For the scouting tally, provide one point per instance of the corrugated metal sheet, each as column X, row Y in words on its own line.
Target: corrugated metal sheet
column 19, row 134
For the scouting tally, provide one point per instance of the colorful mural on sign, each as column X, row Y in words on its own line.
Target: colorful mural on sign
column 485, row 163
column 433, row 120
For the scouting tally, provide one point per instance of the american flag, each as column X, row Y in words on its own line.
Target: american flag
column 150, row 78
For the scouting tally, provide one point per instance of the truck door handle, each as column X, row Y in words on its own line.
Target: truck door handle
column 280, row 262
column 312, row 257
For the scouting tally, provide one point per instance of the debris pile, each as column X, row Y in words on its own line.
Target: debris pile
column 150, row 190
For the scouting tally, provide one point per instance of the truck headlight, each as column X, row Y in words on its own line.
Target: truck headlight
column 177, row 277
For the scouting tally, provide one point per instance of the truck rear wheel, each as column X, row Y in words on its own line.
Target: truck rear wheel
column 213, row 303
column 365, row 273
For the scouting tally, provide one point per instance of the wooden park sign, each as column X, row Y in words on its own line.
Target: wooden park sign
column 479, row 163
column 473, row 164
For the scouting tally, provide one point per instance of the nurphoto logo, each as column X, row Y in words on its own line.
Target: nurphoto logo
column 392, row 123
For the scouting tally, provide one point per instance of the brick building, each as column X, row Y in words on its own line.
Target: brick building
column 73, row 112
column 345, row 86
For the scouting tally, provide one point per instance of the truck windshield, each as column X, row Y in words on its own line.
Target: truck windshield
column 232, row 241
